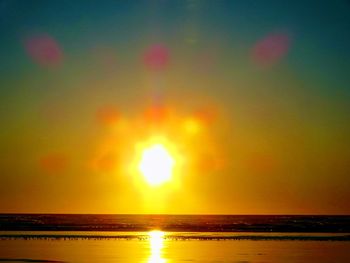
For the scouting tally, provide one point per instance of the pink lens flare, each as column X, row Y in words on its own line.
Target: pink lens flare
column 156, row 57
column 44, row 50
column 271, row 49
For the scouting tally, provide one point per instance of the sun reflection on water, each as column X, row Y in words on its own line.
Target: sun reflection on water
column 156, row 239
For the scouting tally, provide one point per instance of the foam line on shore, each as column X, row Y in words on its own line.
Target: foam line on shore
column 257, row 237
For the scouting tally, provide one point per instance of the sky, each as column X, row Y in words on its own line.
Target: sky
column 250, row 98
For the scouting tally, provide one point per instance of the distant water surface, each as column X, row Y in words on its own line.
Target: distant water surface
column 184, row 223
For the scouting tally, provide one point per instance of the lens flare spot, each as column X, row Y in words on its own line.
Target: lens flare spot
column 44, row 50
column 156, row 114
column 107, row 162
column 107, row 115
column 207, row 115
column 271, row 49
column 156, row 57
column 53, row 163
column 192, row 126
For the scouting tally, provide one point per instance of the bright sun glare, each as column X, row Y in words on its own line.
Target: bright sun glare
column 156, row 164
column 156, row 239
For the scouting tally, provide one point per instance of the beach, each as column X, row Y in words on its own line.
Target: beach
column 173, row 238
column 160, row 249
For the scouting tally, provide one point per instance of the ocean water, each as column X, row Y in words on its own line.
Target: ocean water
column 184, row 223
column 165, row 238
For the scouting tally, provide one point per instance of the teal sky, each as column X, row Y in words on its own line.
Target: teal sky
column 282, row 117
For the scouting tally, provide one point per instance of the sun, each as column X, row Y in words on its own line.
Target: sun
column 156, row 164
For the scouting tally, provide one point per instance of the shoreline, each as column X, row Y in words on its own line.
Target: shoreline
column 173, row 236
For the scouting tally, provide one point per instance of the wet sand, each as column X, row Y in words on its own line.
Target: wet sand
column 159, row 249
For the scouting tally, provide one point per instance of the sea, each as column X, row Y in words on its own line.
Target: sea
column 174, row 238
